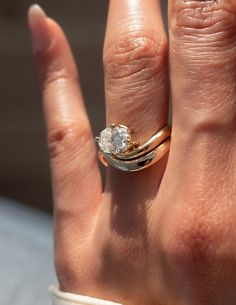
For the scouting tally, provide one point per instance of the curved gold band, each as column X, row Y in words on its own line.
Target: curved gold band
column 151, row 144
column 139, row 156
column 139, row 163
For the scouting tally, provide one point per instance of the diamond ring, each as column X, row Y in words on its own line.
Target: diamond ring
column 116, row 140
column 118, row 149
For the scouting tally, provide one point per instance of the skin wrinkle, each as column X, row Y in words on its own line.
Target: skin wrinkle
column 139, row 66
column 130, row 88
column 203, row 15
column 218, row 42
column 189, row 19
column 68, row 137
column 210, row 50
column 131, row 67
column 137, row 50
column 210, row 5
column 214, row 51
column 129, row 95
column 63, row 77
column 134, row 22
column 148, row 69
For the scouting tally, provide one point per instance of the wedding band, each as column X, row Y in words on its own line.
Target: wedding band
column 139, row 163
column 152, row 143
column 118, row 149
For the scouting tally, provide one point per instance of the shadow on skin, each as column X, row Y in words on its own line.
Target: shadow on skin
column 126, row 253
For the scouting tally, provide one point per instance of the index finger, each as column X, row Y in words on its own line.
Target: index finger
column 70, row 140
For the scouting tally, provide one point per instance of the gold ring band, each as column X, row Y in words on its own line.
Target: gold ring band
column 119, row 150
column 139, row 163
column 151, row 144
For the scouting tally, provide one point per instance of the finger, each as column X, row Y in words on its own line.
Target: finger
column 202, row 61
column 72, row 150
column 202, row 49
column 136, row 79
column 196, row 209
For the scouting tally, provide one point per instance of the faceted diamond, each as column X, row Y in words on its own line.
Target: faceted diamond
column 120, row 140
column 115, row 140
column 105, row 139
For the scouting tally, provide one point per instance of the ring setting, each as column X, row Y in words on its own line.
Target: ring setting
column 115, row 140
column 117, row 148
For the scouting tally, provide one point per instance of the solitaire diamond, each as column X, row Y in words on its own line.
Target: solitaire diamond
column 104, row 140
column 115, row 140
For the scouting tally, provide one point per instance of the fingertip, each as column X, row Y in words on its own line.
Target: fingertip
column 36, row 11
column 36, row 16
column 39, row 28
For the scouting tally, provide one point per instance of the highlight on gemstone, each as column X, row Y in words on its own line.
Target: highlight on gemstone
column 115, row 140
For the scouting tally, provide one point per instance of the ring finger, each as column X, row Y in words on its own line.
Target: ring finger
column 136, row 77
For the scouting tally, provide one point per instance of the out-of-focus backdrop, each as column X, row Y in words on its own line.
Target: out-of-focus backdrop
column 24, row 168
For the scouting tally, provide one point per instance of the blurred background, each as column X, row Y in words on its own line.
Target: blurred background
column 26, row 259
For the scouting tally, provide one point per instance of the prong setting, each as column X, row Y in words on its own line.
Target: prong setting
column 115, row 140
column 118, row 149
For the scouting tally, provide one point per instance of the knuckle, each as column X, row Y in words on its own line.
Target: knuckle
column 194, row 241
column 191, row 244
column 134, row 53
column 66, row 139
column 206, row 18
column 55, row 75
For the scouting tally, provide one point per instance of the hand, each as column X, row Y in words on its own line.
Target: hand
column 165, row 235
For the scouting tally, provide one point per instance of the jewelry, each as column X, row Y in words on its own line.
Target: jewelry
column 118, row 148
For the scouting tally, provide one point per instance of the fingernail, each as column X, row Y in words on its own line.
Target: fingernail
column 39, row 28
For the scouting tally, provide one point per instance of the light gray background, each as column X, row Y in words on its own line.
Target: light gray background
column 26, row 256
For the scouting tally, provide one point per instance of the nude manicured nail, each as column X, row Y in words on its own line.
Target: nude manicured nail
column 39, row 28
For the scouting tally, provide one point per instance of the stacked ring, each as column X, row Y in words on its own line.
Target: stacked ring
column 119, row 150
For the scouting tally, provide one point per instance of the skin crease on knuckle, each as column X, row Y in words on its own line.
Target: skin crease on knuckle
column 133, row 53
column 203, row 34
column 67, row 138
column 135, row 70
column 68, row 146
column 55, row 76
column 202, row 14
column 213, row 23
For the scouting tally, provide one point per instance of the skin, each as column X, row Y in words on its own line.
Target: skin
column 166, row 235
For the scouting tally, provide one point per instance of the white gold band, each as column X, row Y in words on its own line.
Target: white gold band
column 64, row 298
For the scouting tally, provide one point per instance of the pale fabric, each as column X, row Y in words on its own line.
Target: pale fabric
column 64, row 298
column 26, row 255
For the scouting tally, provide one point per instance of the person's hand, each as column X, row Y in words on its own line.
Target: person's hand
column 165, row 235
